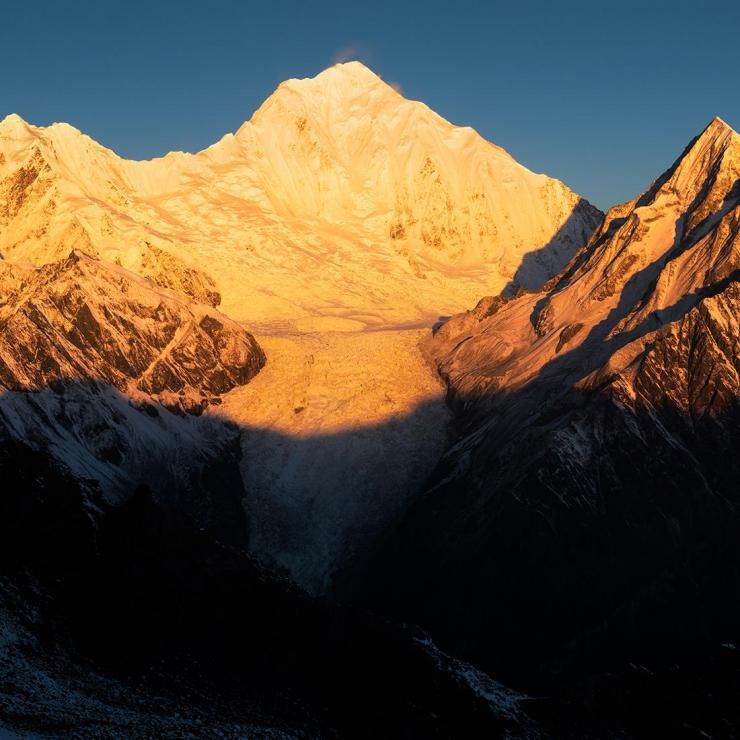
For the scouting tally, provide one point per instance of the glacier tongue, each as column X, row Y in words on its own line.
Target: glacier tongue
column 339, row 432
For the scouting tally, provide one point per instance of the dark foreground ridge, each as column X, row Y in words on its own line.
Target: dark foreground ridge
column 141, row 623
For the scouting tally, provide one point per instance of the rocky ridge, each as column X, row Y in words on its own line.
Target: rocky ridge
column 588, row 508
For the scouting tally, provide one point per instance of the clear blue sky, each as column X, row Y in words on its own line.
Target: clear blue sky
column 600, row 95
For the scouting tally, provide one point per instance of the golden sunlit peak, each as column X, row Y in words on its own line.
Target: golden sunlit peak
column 353, row 72
column 353, row 66
column 718, row 122
column 12, row 121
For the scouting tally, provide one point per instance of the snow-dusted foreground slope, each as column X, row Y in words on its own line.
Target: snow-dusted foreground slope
column 132, row 621
column 338, row 198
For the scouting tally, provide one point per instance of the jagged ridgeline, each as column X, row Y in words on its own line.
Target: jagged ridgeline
column 587, row 514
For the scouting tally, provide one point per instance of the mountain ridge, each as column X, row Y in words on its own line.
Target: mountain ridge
column 338, row 198
column 588, row 503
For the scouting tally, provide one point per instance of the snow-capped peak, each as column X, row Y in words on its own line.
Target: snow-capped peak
column 354, row 72
column 13, row 125
column 715, row 130
column 338, row 192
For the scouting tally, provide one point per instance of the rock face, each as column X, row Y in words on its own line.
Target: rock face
column 109, row 373
column 589, row 505
column 81, row 319
column 339, row 198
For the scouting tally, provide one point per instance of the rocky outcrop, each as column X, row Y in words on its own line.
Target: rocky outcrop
column 110, row 375
column 170, row 272
column 81, row 319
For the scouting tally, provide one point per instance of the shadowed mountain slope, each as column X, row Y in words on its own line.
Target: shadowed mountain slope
column 133, row 620
column 587, row 514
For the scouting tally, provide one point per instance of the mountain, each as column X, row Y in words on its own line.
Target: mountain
column 126, row 287
column 83, row 319
column 586, row 515
column 140, row 475
column 578, row 538
column 338, row 201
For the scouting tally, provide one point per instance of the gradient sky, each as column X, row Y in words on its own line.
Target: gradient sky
column 601, row 95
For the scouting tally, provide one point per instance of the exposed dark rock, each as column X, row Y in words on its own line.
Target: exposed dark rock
column 81, row 318
column 147, row 625
column 567, row 334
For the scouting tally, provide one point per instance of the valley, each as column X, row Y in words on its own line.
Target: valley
column 339, row 431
